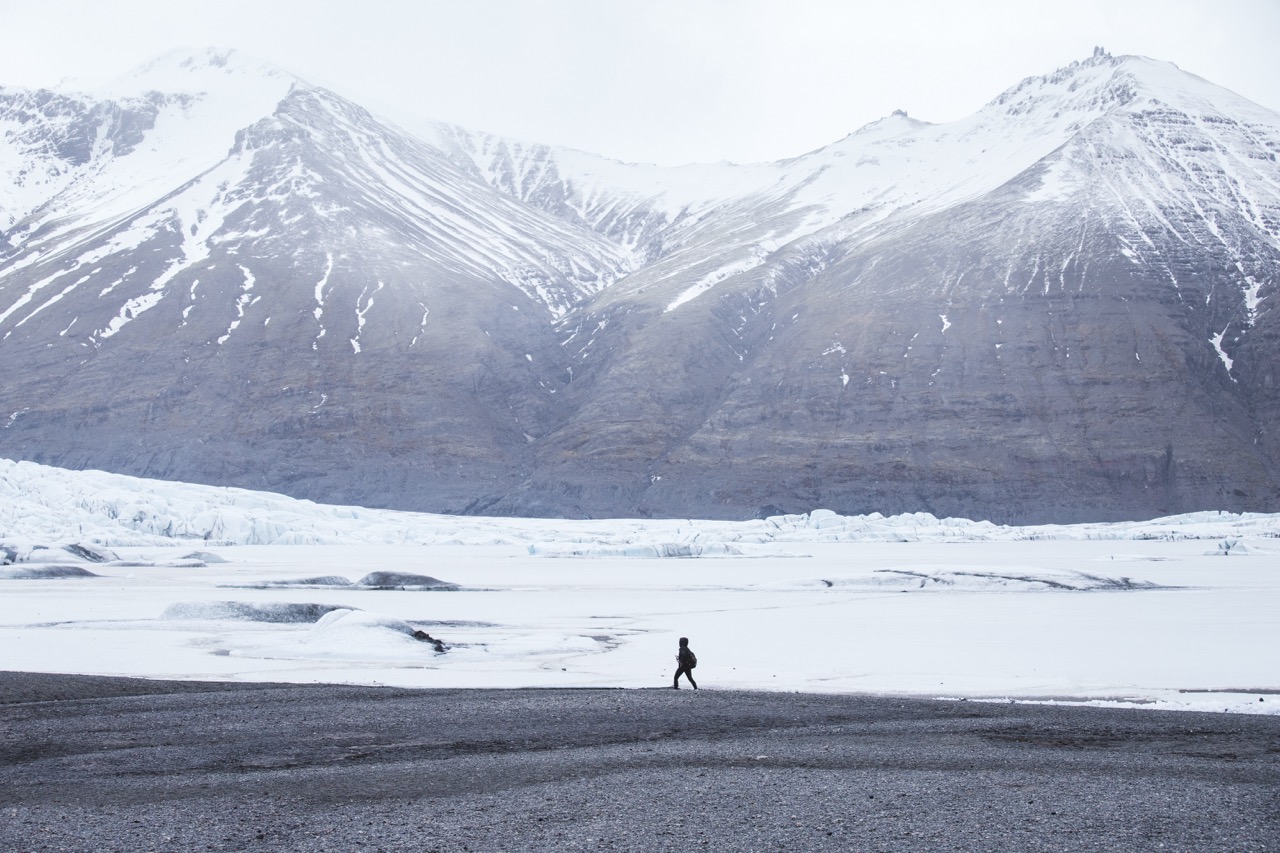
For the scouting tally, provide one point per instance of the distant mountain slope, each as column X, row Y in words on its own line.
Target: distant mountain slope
column 324, row 284
column 1060, row 308
column 1091, row 335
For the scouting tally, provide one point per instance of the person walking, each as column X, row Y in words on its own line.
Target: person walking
column 686, row 660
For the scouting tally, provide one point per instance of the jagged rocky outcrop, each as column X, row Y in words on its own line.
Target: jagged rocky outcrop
column 1061, row 308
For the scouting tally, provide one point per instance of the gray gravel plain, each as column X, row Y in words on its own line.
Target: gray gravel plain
column 102, row 764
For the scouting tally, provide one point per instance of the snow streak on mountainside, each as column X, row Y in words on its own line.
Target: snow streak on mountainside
column 1058, row 308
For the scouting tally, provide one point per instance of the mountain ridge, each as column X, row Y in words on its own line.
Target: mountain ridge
column 341, row 308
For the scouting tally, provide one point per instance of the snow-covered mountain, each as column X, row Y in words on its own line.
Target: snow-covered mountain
column 1056, row 309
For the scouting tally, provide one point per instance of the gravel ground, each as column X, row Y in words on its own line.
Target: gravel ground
column 101, row 764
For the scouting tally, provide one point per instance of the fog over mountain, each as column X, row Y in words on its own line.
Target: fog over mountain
column 1058, row 309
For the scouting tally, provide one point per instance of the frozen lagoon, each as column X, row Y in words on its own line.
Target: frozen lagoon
column 1175, row 613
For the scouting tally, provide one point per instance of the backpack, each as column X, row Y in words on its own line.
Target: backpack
column 693, row 660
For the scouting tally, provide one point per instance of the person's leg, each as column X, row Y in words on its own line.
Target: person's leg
column 675, row 682
column 689, row 674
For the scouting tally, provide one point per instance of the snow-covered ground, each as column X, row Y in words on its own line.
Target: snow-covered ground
column 107, row 574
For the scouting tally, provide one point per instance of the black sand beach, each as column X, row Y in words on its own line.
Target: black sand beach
column 102, row 764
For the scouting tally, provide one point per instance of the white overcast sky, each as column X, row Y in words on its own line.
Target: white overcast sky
column 655, row 80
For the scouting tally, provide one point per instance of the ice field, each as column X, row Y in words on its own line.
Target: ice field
column 106, row 574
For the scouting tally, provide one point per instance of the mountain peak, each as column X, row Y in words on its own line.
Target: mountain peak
column 1094, row 84
column 895, row 122
column 1104, row 82
column 207, row 69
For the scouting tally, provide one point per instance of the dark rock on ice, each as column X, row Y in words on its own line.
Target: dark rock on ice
column 205, row 557
column 241, row 611
column 42, row 572
column 404, row 581
column 424, row 637
column 90, row 553
column 320, row 582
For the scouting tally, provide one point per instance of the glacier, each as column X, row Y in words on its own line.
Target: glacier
column 113, row 575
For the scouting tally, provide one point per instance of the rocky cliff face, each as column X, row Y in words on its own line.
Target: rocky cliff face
column 1058, row 309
